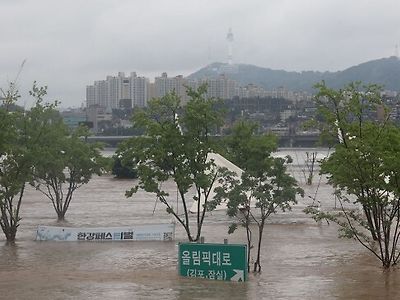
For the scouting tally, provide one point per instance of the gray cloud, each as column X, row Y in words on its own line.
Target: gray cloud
column 69, row 44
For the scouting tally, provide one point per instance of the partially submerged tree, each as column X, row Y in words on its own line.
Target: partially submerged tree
column 310, row 160
column 262, row 189
column 66, row 162
column 13, row 164
column 19, row 135
column 364, row 168
column 36, row 147
column 176, row 148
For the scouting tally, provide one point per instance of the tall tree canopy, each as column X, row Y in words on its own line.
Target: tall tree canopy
column 261, row 190
column 62, row 160
column 19, row 135
column 175, row 147
column 364, row 169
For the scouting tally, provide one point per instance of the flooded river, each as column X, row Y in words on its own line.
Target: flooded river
column 301, row 259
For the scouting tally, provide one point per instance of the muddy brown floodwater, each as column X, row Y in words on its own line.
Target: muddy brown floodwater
column 301, row 259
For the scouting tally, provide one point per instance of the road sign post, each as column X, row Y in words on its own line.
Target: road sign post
column 213, row 261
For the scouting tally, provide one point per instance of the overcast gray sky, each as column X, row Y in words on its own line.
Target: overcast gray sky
column 68, row 44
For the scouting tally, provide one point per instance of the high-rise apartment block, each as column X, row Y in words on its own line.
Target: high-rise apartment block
column 133, row 91
column 221, row 87
column 165, row 84
column 179, row 84
column 118, row 91
column 139, row 90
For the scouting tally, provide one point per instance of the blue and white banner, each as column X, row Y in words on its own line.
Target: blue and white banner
column 151, row 232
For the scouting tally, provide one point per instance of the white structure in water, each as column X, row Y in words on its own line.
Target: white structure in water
column 220, row 162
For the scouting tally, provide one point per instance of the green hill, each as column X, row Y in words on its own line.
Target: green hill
column 385, row 71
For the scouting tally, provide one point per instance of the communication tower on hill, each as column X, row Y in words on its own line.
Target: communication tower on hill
column 229, row 38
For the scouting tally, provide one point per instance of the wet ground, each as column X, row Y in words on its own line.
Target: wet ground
column 300, row 259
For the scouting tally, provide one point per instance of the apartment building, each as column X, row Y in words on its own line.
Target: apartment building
column 117, row 91
column 133, row 91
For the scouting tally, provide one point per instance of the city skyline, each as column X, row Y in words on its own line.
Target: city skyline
column 69, row 44
column 126, row 91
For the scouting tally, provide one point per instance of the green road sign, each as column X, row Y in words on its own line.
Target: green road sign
column 213, row 261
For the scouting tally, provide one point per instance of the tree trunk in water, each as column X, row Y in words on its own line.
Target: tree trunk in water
column 11, row 233
column 257, row 264
column 9, row 219
column 60, row 216
column 248, row 247
column 386, row 264
column 190, row 238
column 8, row 225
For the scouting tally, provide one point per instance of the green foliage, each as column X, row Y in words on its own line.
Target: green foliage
column 263, row 188
column 16, row 156
column 265, row 179
column 364, row 169
column 36, row 147
column 245, row 148
column 232, row 228
column 123, row 171
column 175, row 146
column 64, row 162
column 123, row 166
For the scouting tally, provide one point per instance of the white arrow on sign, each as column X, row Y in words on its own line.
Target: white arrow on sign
column 239, row 276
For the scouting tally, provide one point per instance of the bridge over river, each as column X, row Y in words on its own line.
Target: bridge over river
column 304, row 140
